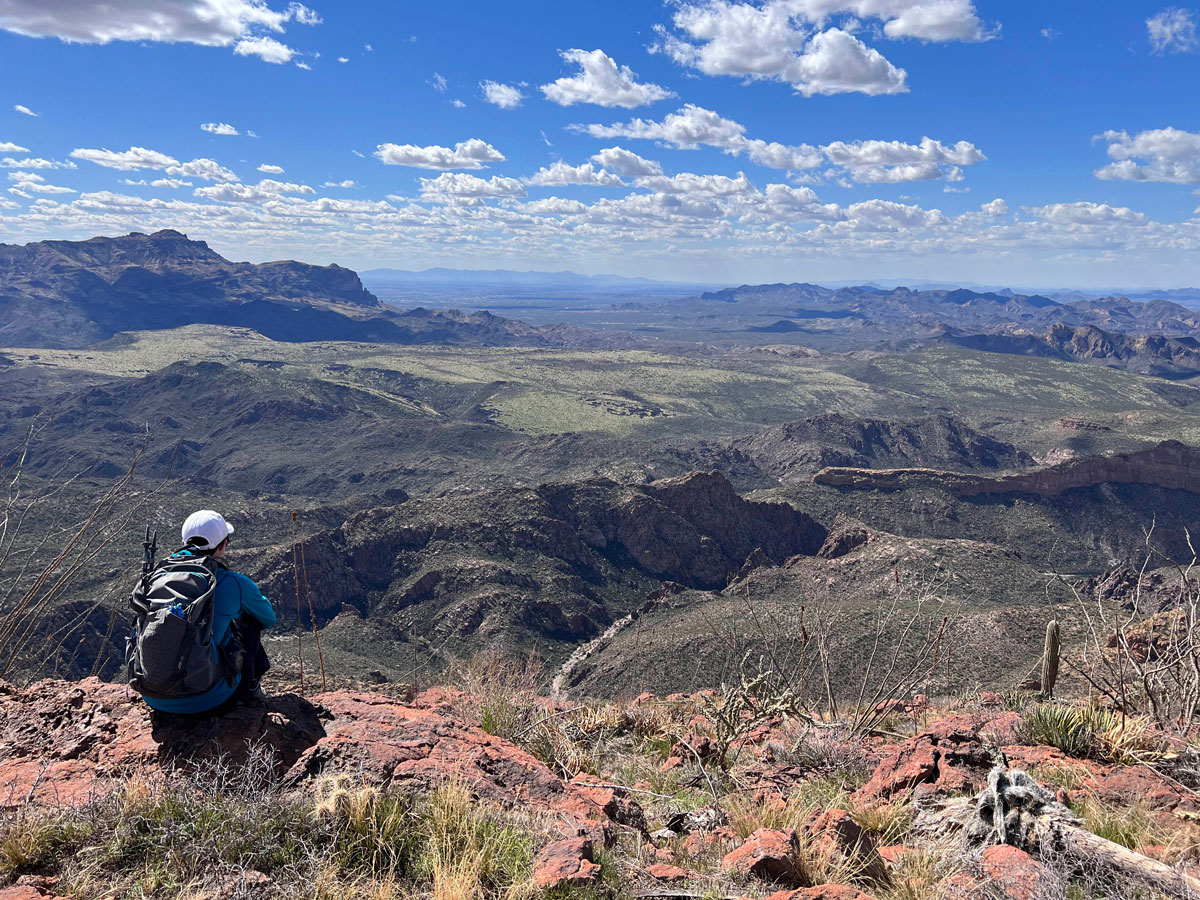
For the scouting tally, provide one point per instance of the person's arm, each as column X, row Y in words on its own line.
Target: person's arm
column 254, row 603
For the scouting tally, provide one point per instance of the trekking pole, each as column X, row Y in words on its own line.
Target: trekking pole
column 299, row 623
column 150, row 546
column 312, row 618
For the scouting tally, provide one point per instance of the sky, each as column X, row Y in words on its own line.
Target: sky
column 987, row 141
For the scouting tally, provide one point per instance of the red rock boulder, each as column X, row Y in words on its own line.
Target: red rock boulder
column 1015, row 872
column 568, row 862
column 766, row 854
column 948, row 755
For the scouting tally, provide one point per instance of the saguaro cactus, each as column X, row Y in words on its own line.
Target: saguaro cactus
column 1050, row 659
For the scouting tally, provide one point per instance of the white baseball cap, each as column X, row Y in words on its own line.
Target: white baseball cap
column 206, row 529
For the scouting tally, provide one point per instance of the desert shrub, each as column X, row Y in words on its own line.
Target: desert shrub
column 923, row 875
column 1144, row 656
column 1131, row 827
column 825, row 750
column 1067, row 777
column 35, row 840
column 199, row 831
column 1092, row 732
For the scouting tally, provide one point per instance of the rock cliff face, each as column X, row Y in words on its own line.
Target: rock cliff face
column 1170, row 465
column 520, row 567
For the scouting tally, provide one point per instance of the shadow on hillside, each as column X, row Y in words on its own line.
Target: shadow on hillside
column 286, row 724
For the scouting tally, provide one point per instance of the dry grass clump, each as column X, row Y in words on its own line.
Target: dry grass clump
column 501, row 692
column 206, row 831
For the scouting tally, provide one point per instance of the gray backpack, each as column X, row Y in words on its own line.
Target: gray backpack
column 170, row 654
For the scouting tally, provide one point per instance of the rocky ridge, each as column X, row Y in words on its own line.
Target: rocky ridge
column 1170, row 465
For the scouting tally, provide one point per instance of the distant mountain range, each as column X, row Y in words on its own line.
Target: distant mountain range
column 385, row 278
column 76, row 293
column 875, row 310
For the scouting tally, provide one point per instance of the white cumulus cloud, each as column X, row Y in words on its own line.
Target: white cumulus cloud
column 265, row 48
column 893, row 162
column 626, row 162
column 458, row 186
column 208, row 169
column 1086, row 213
column 504, row 96
column 211, row 23
column 693, row 126
column 222, row 128
column 167, row 183
column 10, row 147
column 994, row 208
column 1172, row 31
column 601, row 82
column 126, row 160
column 789, row 41
column 1162, row 154
column 348, row 183
column 560, row 173
column 36, row 162
column 25, row 110
column 267, row 189
column 689, row 183
column 270, row 169
column 30, row 182
column 471, row 154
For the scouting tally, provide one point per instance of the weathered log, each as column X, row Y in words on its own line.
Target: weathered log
column 1014, row 809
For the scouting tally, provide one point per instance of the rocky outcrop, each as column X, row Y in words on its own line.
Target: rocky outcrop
column 768, row 854
column 1018, row 875
column 1171, row 465
column 64, row 742
column 950, row 756
column 566, row 863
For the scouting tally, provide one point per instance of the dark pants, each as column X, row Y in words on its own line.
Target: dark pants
column 247, row 632
column 255, row 662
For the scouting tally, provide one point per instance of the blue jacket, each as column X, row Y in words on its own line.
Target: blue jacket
column 235, row 594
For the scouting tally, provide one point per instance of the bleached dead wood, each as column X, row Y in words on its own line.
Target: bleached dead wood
column 1014, row 809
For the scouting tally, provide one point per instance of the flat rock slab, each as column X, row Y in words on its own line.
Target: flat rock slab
column 63, row 742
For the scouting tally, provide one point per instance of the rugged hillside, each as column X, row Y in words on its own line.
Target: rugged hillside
column 1163, row 357
column 865, row 317
column 522, row 568
column 862, row 583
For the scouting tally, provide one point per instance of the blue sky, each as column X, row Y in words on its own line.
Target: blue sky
column 1017, row 142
